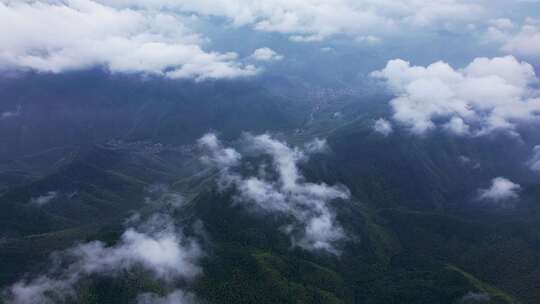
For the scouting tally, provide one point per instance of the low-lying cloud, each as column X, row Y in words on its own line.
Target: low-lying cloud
column 175, row 297
column 314, row 226
column 534, row 162
column 476, row 297
column 501, row 189
column 156, row 246
column 44, row 199
column 486, row 95
column 10, row 114
column 383, row 127
column 217, row 154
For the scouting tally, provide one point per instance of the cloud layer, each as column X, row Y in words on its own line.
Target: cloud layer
column 314, row 226
column 315, row 20
column 56, row 36
column 487, row 95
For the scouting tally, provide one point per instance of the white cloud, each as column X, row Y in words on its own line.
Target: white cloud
column 383, row 127
column 44, row 199
column 476, row 297
column 176, row 297
column 534, row 162
column 10, row 114
column 474, row 164
column 327, row 49
column 486, row 95
column 524, row 40
column 457, row 126
column 160, row 254
column 160, row 249
column 369, row 39
column 501, row 189
column 314, row 226
column 503, row 23
column 161, row 195
column 316, row 146
column 218, row 155
column 315, row 20
column 55, row 36
column 266, row 54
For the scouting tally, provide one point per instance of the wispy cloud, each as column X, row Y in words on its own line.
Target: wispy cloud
column 10, row 114
column 383, row 127
column 44, row 199
column 534, row 162
column 315, row 226
column 476, row 297
column 175, row 297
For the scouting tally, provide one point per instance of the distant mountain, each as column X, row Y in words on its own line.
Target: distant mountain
column 55, row 111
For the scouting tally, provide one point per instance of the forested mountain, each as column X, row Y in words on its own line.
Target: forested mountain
column 217, row 152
